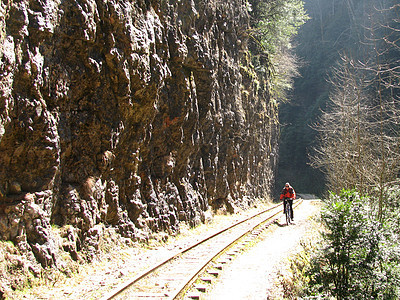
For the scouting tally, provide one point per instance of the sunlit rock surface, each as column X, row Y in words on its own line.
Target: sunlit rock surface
column 134, row 114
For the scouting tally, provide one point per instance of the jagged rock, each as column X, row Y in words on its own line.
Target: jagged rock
column 139, row 115
column 91, row 240
column 28, row 225
column 70, row 241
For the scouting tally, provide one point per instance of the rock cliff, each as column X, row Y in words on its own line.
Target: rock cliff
column 134, row 114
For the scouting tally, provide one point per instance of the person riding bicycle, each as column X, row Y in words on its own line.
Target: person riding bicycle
column 288, row 194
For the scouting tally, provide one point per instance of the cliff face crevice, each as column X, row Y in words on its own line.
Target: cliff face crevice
column 135, row 114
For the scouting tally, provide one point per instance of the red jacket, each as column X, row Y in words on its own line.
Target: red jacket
column 288, row 193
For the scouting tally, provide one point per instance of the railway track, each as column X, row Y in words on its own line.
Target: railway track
column 184, row 274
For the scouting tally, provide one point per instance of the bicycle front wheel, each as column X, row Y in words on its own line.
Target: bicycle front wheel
column 287, row 213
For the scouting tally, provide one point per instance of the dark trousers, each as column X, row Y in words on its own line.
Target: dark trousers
column 290, row 206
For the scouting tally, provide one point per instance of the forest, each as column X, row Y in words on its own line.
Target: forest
column 340, row 139
column 357, row 30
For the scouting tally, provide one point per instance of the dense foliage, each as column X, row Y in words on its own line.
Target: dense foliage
column 274, row 25
column 359, row 256
column 277, row 23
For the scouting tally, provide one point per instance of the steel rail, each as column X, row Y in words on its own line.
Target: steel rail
column 151, row 269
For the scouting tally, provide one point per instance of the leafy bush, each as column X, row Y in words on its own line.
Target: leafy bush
column 359, row 257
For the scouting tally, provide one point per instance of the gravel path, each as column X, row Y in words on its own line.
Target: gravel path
column 252, row 275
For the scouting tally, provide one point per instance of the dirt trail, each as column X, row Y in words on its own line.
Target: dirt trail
column 252, row 275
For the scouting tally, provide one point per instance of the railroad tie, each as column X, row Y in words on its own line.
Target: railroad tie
column 207, row 279
column 194, row 296
column 215, row 273
column 201, row 287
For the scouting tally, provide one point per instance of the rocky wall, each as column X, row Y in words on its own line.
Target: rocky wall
column 134, row 114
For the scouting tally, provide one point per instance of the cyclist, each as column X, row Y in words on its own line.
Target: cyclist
column 288, row 194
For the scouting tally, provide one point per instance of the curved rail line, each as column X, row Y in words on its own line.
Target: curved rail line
column 181, row 269
column 254, row 231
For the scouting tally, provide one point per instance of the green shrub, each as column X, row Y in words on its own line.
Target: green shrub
column 359, row 257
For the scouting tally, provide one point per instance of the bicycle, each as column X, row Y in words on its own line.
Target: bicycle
column 287, row 211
